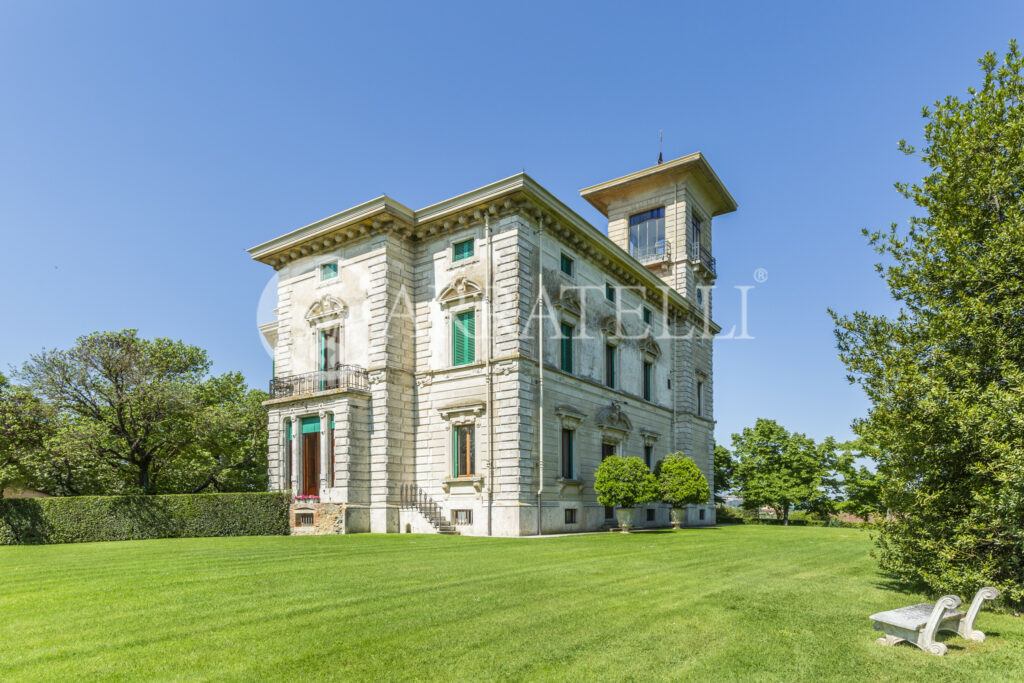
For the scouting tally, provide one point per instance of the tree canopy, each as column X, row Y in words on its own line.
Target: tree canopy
column 945, row 376
column 780, row 470
column 680, row 481
column 117, row 413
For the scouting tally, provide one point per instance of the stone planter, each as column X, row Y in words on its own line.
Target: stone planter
column 678, row 517
column 625, row 518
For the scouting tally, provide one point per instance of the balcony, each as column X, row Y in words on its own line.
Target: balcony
column 702, row 256
column 344, row 377
column 652, row 253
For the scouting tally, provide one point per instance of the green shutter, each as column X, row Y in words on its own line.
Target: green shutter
column 455, row 451
column 462, row 250
column 567, row 347
column 463, row 338
column 566, row 265
column 289, row 428
column 647, row 381
column 311, row 425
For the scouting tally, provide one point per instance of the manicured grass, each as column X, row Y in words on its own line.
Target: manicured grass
column 766, row 603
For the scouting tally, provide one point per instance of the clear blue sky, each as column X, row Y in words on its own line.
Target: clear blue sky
column 145, row 146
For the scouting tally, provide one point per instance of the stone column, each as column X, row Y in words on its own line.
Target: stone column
column 325, row 435
column 296, row 454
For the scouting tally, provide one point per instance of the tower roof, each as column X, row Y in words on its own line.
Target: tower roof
column 693, row 165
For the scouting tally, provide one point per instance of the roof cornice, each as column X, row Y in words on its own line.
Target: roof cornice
column 599, row 194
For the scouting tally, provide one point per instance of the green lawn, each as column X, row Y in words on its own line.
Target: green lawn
column 733, row 602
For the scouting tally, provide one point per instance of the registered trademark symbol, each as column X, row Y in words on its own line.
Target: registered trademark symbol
column 760, row 275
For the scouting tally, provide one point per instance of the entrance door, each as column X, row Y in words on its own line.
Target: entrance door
column 608, row 449
column 311, row 464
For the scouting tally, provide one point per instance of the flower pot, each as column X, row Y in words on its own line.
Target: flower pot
column 625, row 518
column 678, row 517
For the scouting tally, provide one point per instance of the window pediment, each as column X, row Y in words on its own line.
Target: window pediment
column 569, row 416
column 326, row 308
column 569, row 302
column 650, row 347
column 612, row 328
column 462, row 289
column 613, row 418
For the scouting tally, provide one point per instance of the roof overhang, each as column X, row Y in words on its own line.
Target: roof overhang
column 694, row 166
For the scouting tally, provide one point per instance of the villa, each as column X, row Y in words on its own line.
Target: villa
column 465, row 367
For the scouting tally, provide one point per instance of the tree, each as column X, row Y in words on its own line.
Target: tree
column 945, row 376
column 724, row 468
column 23, row 420
column 680, row 481
column 626, row 482
column 138, row 415
column 777, row 469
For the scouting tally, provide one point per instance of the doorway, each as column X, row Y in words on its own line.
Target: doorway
column 310, row 457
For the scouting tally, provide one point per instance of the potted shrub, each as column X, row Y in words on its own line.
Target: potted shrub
column 625, row 483
column 680, row 483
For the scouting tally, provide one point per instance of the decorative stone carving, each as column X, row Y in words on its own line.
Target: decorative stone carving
column 326, row 308
column 612, row 328
column 650, row 347
column 424, row 380
column 377, row 376
column 461, row 290
column 614, row 419
column 569, row 302
column 966, row 626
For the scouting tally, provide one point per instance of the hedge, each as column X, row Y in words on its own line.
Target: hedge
column 80, row 519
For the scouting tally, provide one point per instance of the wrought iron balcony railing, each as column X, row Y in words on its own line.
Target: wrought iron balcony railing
column 652, row 253
column 702, row 255
column 340, row 377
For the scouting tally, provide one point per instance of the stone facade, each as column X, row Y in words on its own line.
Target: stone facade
column 396, row 430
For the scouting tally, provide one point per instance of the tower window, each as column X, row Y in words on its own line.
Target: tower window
column 647, row 234
column 700, row 398
column 647, row 316
column 609, row 291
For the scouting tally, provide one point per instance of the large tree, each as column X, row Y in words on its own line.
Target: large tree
column 23, row 425
column 945, row 376
column 724, row 468
column 143, row 415
column 780, row 470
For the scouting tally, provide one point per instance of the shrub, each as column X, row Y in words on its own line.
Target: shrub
column 681, row 482
column 625, row 482
column 728, row 515
column 82, row 519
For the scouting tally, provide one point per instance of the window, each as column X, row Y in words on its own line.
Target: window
column 609, row 365
column 568, row 265
column 700, row 297
column 303, row 519
column 568, row 436
column 609, row 291
column 650, row 514
column 567, row 334
column 696, row 232
column 648, row 375
column 648, row 452
column 463, row 450
column 329, row 271
column 647, row 234
column 331, row 446
column 570, row 515
column 647, row 316
column 700, row 398
column 608, row 450
column 462, row 517
column 462, row 250
column 329, row 358
column 701, row 514
column 464, row 338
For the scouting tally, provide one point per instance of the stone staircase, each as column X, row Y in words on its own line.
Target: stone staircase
column 415, row 498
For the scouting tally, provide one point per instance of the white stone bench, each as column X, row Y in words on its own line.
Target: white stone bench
column 918, row 624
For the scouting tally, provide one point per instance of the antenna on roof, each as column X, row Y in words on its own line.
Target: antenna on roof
column 659, row 147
